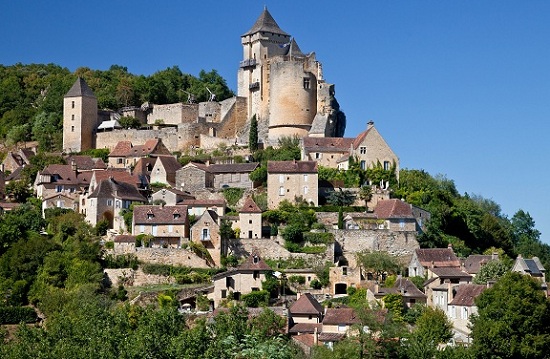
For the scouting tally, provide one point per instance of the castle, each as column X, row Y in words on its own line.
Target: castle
column 279, row 84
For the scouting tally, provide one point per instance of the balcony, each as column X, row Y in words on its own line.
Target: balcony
column 247, row 63
column 254, row 86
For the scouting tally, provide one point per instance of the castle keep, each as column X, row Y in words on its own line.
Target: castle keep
column 279, row 84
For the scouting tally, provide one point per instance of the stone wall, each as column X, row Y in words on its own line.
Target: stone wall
column 274, row 249
column 170, row 256
column 174, row 113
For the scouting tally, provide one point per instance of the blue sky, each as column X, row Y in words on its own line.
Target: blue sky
column 459, row 88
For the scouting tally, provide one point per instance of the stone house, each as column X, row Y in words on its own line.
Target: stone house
column 343, row 277
column 85, row 163
column 409, row 292
column 125, row 154
column 167, row 224
column 305, row 315
column 289, row 180
column 206, row 231
column 164, row 170
column 59, row 200
column 16, row 160
column 424, row 258
column 246, row 278
column 232, row 174
column 65, row 179
column 532, row 267
column 250, row 219
column 462, row 307
column 337, row 324
column 108, row 199
column 144, row 167
column 119, row 175
column 194, row 176
column 326, row 151
column 474, row 262
column 197, row 207
column 170, row 196
column 441, row 285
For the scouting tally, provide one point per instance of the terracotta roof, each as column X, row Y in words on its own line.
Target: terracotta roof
column 111, row 188
column 250, row 206
column 141, row 166
column 176, row 192
column 306, row 328
column 306, row 304
column 306, row 339
column 200, row 166
column 124, row 238
column 292, row 166
column 254, row 262
column 393, row 208
column 233, row 167
column 121, row 175
column 203, row 202
column 450, row 272
column 64, row 174
column 404, row 287
column 327, row 144
column 80, row 88
column 360, row 138
column 438, row 257
column 122, row 148
column 334, row 316
column 150, row 147
column 265, row 23
column 86, row 163
column 148, row 214
column 331, row 337
column 473, row 263
column 466, row 294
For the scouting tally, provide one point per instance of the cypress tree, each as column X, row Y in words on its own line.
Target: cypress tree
column 253, row 136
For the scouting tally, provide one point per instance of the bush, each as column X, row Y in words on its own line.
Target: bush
column 109, row 245
column 256, row 298
column 16, row 315
column 232, row 195
column 313, row 249
column 298, row 279
column 318, row 238
column 121, row 261
column 315, row 284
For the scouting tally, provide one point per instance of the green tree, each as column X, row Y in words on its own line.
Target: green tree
column 365, row 193
column 129, row 122
column 491, row 271
column 253, row 135
column 379, row 263
column 432, row 328
column 47, row 130
column 341, row 197
column 513, row 319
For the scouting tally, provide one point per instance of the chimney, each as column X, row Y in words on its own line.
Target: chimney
column 370, row 124
column 315, row 336
column 450, row 294
column 73, row 166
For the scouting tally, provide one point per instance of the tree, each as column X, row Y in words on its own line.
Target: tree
column 129, row 122
column 432, row 328
column 365, row 193
column 379, row 263
column 513, row 319
column 253, row 135
column 341, row 197
column 491, row 271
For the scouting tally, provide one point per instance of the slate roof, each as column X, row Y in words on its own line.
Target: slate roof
column 473, row 263
column 250, row 206
column 80, row 88
column 327, row 144
column 306, row 305
column 291, row 166
column 160, row 215
column 335, row 316
column 393, row 208
column 404, row 287
column 532, row 266
column 16, row 174
column 265, row 23
column 450, row 272
column 306, row 328
column 294, row 49
column 111, row 188
column 233, row 167
column 466, row 294
column 439, row 257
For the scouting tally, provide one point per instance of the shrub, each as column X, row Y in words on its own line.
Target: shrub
column 315, row 284
column 121, row 261
column 318, row 238
column 298, row 279
column 232, row 195
column 109, row 245
column 16, row 315
column 256, row 298
column 313, row 249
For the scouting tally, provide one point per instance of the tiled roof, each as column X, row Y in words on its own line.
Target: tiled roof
column 122, row 149
column 327, row 144
column 170, row 163
column 86, row 163
column 466, row 294
column 393, row 208
column 203, row 202
column 360, row 138
column 160, row 214
column 335, row 316
column 200, row 166
column 16, row 174
column 111, row 188
column 254, row 262
column 233, row 167
column 141, row 165
column 306, row 304
column 292, row 166
column 265, row 23
column 121, row 175
column 438, row 257
column 404, row 287
column 80, row 88
column 150, row 147
column 250, row 206
column 331, row 337
column 306, row 328
column 64, row 174
column 473, row 263
column 532, row 266
column 450, row 272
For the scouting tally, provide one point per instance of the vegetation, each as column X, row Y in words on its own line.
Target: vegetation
column 253, row 135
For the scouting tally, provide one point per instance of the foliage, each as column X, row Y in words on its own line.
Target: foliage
column 395, row 305
column 297, row 279
column 253, row 135
column 256, row 299
column 101, row 227
column 232, row 195
column 365, row 193
column 323, row 272
column 341, row 197
column 259, row 175
column 102, row 153
column 16, row 315
column 121, row 261
column 491, row 271
column 513, row 319
column 19, row 190
column 129, row 122
column 379, row 263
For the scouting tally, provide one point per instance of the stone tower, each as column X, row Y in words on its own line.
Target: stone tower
column 284, row 87
column 79, row 117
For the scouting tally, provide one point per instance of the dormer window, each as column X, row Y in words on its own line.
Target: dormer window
column 150, row 215
column 255, row 259
column 177, row 215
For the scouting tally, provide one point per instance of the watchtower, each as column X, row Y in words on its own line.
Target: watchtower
column 79, row 117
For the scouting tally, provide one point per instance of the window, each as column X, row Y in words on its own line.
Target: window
column 363, row 150
column 402, row 223
column 249, row 221
column 281, row 179
column 306, row 83
column 59, row 203
column 72, row 117
column 256, row 274
column 306, row 189
column 117, row 204
column 150, row 215
column 141, row 228
column 224, row 293
column 205, row 235
column 281, row 191
column 344, row 270
column 58, row 188
column 305, row 178
column 154, row 230
column 170, row 228
column 341, row 328
column 363, row 165
column 72, row 106
column 109, row 202
column 72, row 128
column 386, row 165
column 317, row 155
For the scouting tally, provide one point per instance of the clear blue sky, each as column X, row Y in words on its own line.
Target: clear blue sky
column 460, row 88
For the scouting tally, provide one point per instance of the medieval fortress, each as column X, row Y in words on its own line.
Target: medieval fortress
column 279, row 84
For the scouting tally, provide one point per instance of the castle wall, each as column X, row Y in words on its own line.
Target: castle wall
column 210, row 111
column 174, row 138
column 174, row 113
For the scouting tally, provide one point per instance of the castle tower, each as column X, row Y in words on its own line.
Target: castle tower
column 281, row 84
column 79, row 117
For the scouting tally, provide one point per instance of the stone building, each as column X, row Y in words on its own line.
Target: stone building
column 291, row 180
column 206, row 231
column 167, row 224
column 250, row 219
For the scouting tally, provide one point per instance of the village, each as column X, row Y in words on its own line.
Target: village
column 239, row 213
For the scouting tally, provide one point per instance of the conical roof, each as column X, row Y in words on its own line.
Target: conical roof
column 80, row 88
column 294, row 49
column 265, row 23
